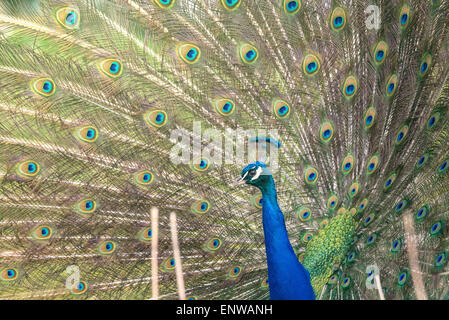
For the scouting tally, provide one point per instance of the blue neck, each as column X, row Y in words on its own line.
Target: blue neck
column 287, row 278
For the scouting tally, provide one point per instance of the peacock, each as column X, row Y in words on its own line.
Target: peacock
column 224, row 149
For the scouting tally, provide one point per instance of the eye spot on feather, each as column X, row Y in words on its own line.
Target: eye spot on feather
column 353, row 189
column 301, row 257
column 200, row 207
column 192, row 298
column 369, row 219
column 165, row 4
column 380, row 52
column 332, row 202
column 372, row 165
column 369, row 118
column 213, row 244
column 311, row 65
column 404, row 16
column 87, row 134
column 363, row 204
column 350, row 87
column 169, row 264
column 79, row 288
column 85, row 207
column 155, row 118
column 107, row 247
column 310, row 175
column 351, row 257
column 234, row 272
column 110, row 67
column 390, row 181
column 304, row 214
column 9, row 274
column 444, row 166
column 43, row 86
column 28, row 169
column 400, row 136
column 281, row 109
column 248, row 53
column 231, row 5
column 42, row 233
column 306, row 237
column 391, row 85
column 403, row 278
column 326, row 132
column 421, row 213
column 225, row 107
column 401, row 206
column 324, row 223
column 396, row 246
column 440, row 260
column 425, row 64
column 422, row 161
column 436, row 228
column 145, row 234
column 371, row 239
column 332, row 280
column 347, row 164
column 201, row 164
column 292, row 7
column 264, row 283
column 189, row 53
column 68, row 17
column 346, row 283
column 257, row 201
column 338, row 19
column 143, row 178
column 433, row 120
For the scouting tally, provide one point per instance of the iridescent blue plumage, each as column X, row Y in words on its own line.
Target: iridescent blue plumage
column 289, row 280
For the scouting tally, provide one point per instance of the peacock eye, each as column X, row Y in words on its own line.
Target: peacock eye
column 68, row 17
column 252, row 172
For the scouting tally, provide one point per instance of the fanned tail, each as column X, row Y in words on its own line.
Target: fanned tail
column 96, row 95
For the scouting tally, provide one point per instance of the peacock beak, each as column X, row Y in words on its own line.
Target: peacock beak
column 239, row 180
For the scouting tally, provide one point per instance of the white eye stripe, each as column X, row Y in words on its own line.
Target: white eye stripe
column 258, row 173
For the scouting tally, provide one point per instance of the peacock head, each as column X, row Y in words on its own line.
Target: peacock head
column 258, row 175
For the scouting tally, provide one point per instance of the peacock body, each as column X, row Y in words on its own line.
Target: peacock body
column 101, row 102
